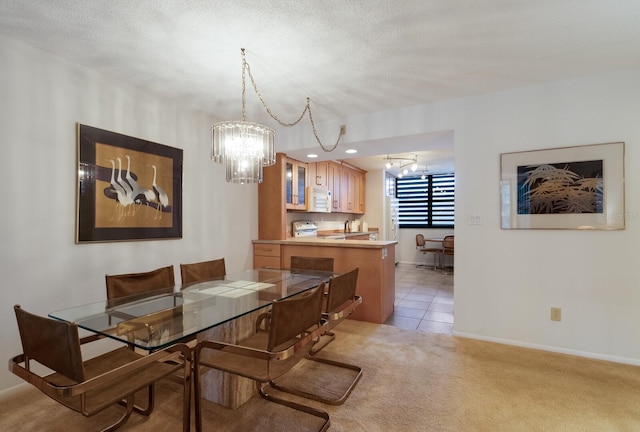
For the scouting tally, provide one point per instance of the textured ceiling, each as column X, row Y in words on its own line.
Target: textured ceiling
column 349, row 56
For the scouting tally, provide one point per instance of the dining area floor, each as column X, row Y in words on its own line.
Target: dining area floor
column 424, row 299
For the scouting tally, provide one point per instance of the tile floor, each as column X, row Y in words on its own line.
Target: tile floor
column 424, row 300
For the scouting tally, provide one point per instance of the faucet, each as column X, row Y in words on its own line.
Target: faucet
column 346, row 224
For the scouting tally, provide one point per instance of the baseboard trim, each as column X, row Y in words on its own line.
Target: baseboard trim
column 560, row 350
column 12, row 391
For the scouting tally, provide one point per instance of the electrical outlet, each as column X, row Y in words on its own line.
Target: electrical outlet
column 343, row 129
column 556, row 314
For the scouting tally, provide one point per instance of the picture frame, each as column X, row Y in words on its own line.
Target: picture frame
column 128, row 188
column 579, row 187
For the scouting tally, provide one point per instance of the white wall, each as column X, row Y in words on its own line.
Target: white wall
column 506, row 281
column 41, row 99
column 511, row 278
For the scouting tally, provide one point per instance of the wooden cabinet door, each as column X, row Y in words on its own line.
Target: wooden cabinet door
column 334, row 180
column 295, row 184
column 350, row 187
column 345, row 193
column 319, row 175
column 360, row 203
column 301, row 186
column 289, row 183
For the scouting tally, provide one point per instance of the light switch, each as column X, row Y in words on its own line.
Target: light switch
column 475, row 219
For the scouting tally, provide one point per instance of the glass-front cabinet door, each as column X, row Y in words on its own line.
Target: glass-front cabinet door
column 288, row 179
column 302, row 185
column 295, row 184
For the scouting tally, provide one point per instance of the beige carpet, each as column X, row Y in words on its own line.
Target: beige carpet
column 413, row 381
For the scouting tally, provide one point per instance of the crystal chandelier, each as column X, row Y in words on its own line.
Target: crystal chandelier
column 244, row 147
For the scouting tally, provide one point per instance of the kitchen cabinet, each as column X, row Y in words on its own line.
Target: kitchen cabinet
column 295, row 184
column 266, row 255
column 319, row 175
column 352, row 190
column 376, row 278
column 284, row 189
column 376, row 260
column 360, row 201
column 334, row 180
column 272, row 212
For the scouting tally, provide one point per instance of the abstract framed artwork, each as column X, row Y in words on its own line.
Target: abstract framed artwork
column 578, row 187
column 128, row 188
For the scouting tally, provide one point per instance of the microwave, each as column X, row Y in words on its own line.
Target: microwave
column 319, row 200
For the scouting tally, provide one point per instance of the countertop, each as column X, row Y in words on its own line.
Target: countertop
column 319, row 241
column 335, row 234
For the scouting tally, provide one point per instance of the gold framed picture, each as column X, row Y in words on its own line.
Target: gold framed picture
column 128, row 188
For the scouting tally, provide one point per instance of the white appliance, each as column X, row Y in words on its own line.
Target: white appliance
column 391, row 220
column 304, row 229
column 319, row 200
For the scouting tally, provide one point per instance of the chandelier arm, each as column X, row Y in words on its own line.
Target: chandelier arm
column 264, row 104
column 315, row 133
column 307, row 108
column 244, row 87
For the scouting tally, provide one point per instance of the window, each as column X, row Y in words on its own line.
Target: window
column 427, row 203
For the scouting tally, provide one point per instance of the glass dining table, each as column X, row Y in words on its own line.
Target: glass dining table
column 157, row 319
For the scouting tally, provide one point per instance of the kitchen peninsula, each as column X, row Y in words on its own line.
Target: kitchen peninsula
column 375, row 258
column 283, row 191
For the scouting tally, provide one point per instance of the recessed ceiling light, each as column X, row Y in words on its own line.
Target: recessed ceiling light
column 350, row 151
column 312, row 155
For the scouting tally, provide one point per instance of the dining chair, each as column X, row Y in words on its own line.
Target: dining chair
column 91, row 386
column 448, row 243
column 202, row 271
column 341, row 303
column 305, row 263
column 123, row 285
column 311, row 263
column 283, row 336
column 421, row 247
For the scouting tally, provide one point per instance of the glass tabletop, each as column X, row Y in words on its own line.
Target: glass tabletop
column 156, row 319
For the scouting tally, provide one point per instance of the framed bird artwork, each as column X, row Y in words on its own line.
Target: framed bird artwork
column 128, row 188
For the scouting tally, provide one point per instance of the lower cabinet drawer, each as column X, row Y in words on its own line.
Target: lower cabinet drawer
column 266, row 261
column 267, row 249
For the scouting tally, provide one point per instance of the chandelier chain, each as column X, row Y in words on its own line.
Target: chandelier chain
column 307, row 108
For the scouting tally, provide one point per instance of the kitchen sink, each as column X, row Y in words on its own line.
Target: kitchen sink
column 333, row 236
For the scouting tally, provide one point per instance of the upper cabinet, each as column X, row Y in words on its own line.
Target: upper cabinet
column 284, row 187
column 319, row 175
column 333, row 184
column 295, row 184
column 346, row 183
column 352, row 187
